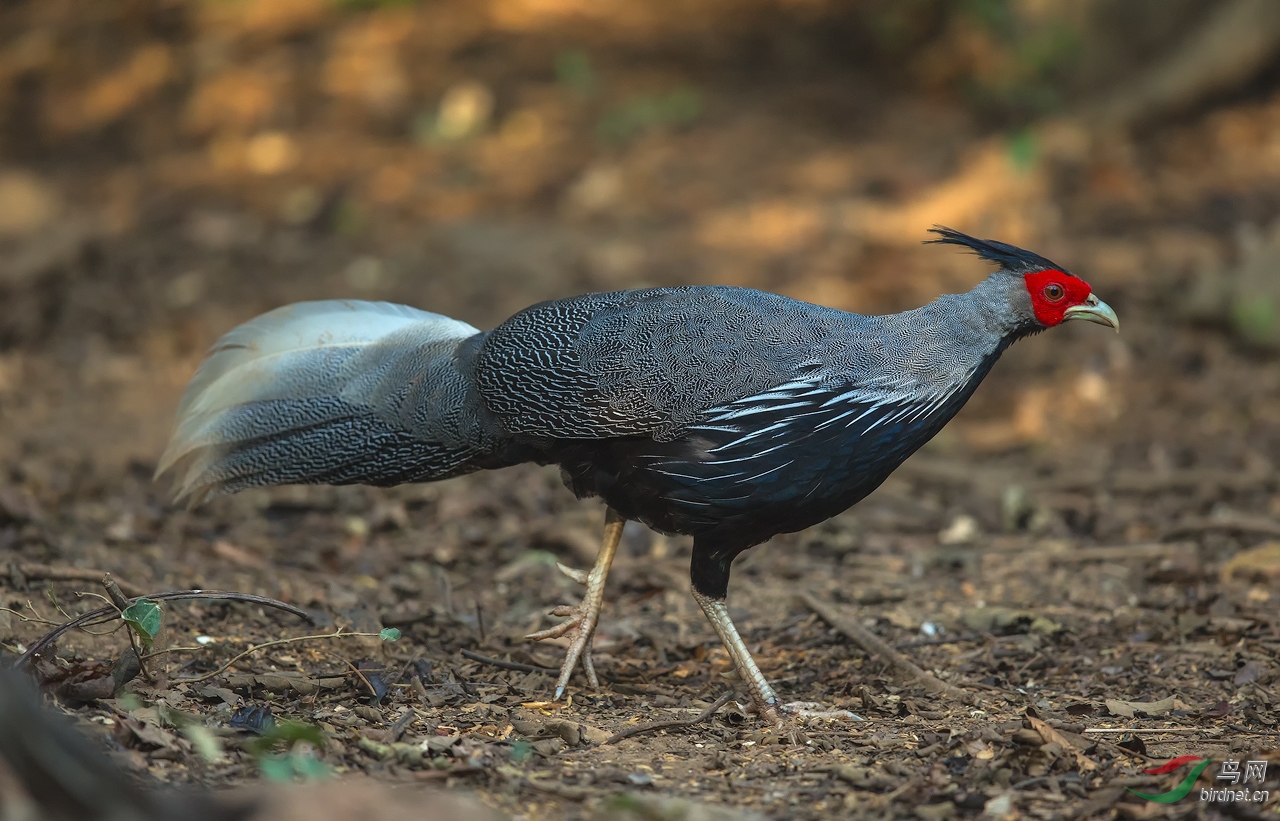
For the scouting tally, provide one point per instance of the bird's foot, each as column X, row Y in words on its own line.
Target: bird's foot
column 787, row 723
column 812, row 709
column 580, row 627
column 781, row 716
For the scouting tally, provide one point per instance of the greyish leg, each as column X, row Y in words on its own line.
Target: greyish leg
column 709, row 573
column 583, row 617
column 761, row 693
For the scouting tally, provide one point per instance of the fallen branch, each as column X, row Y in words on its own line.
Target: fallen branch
column 1120, row 553
column 1196, row 525
column 106, row 614
column 873, row 645
column 337, row 634
column 47, row 572
column 517, row 666
column 657, row 726
column 1205, row 730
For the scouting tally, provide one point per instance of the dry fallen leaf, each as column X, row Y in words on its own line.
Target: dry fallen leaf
column 1263, row 560
column 1052, row 736
column 1129, row 709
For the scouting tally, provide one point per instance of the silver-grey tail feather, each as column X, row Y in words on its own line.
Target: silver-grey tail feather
column 334, row 392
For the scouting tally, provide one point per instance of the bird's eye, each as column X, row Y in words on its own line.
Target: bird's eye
column 1053, row 292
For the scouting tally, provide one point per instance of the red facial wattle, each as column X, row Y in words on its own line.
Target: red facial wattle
column 1053, row 292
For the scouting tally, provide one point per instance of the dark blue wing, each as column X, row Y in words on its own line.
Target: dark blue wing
column 793, row 443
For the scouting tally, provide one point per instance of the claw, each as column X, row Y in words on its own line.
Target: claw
column 580, row 576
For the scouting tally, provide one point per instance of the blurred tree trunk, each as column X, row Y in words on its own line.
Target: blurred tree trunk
column 1225, row 49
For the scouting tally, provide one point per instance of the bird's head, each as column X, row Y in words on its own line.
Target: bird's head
column 1056, row 294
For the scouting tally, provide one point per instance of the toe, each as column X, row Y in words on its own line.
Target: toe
column 579, row 576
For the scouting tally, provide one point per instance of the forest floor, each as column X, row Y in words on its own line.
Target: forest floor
column 1090, row 552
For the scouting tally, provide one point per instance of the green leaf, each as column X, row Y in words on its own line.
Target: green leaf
column 295, row 731
column 1023, row 150
column 389, row 634
column 520, row 751
column 308, row 767
column 206, row 743
column 573, row 70
column 276, row 768
column 291, row 766
column 1257, row 318
column 144, row 617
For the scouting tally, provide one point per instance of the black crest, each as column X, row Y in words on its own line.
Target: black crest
column 1009, row 257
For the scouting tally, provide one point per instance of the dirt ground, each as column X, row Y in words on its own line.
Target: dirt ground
column 1099, row 529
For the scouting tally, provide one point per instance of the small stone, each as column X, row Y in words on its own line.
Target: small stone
column 1028, row 737
column 548, row 747
column 568, row 731
column 525, row 726
column 936, row 812
column 998, row 807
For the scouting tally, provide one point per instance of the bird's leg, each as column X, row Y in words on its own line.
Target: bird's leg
column 762, row 694
column 585, row 615
column 766, row 701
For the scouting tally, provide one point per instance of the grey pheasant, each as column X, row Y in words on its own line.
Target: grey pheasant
column 723, row 413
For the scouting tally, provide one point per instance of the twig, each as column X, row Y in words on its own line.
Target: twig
column 337, row 634
column 632, row 732
column 1247, row 731
column 1116, row 749
column 440, row 775
column 155, row 653
column 1214, row 730
column 405, row 619
column 121, row 603
column 1119, row 553
column 359, row 673
column 938, row 640
column 105, row 614
column 114, row 592
column 36, row 619
column 872, row 644
column 519, row 667
column 1195, row 525
column 69, row 574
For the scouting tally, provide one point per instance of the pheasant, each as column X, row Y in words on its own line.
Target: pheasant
column 723, row 413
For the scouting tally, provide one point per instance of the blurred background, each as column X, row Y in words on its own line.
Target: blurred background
column 170, row 169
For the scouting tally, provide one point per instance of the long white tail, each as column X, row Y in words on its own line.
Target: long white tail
column 337, row 392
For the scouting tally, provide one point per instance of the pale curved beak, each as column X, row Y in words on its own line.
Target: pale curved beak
column 1094, row 310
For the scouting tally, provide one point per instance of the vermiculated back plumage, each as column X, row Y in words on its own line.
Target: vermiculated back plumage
column 654, row 362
